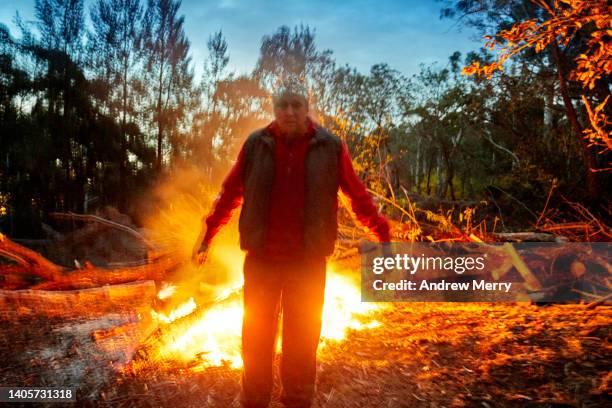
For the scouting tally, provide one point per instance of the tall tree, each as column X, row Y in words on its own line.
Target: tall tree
column 61, row 26
column 569, row 37
column 293, row 53
column 114, row 48
column 206, row 121
column 169, row 72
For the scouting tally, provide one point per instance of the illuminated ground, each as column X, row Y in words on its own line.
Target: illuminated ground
column 421, row 355
column 437, row 355
column 415, row 355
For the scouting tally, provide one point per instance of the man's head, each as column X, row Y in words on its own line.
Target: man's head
column 291, row 108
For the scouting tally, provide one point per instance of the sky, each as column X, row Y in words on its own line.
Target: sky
column 402, row 33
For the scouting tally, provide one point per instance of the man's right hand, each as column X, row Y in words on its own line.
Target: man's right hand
column 200, row 253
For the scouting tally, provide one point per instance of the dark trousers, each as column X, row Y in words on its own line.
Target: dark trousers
column 297, row 288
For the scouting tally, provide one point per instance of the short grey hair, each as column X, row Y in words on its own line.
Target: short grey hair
column 290, row 87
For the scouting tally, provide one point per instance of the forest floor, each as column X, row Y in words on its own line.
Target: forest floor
column 421, row 355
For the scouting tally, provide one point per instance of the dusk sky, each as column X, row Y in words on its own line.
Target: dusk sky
column 360, row 33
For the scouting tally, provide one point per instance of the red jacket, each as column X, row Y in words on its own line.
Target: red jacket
column 287, row 198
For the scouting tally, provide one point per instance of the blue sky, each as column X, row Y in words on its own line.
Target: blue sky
column 360, row 33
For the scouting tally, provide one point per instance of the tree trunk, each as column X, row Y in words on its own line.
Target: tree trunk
column 449, row 176
column 429, row 169
column 160, row 128
column 572, row 117
column 123, row 164
column 417, row 166
column 438, row 184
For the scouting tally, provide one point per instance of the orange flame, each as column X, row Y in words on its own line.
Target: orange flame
column 212, row 335
column 181, row 311
column 214, row 339
column 166, row 291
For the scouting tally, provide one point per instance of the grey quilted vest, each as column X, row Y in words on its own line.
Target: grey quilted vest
column 321, row 192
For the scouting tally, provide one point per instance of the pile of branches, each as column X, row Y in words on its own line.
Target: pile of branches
column 571, row 272
column 28, row 269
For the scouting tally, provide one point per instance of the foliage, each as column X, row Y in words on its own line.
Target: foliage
column 94, row 114
column 168, row 71
column 565, row 20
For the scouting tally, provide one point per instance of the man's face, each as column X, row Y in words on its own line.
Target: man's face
column 291, row 112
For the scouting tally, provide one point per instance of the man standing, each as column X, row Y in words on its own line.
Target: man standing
column 287, row 178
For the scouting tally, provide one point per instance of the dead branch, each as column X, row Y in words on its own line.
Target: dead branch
column 527, row 237
column 103, row 221
column 599, row 302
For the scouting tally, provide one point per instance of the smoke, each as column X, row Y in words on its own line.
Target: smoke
column 179, row 203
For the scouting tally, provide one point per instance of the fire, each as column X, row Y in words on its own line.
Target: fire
column 343, row 308
column 213, row 338
column 166, row 291
column 181, row 311
column 205, row 330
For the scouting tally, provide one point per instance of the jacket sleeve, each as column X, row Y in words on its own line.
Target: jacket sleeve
column 228, row 199
column 361, row 202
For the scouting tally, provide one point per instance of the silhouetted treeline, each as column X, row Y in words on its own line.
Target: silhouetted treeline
column 91, row 114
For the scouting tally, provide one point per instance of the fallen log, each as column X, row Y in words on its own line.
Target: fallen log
column 519, row 264
column 528, row 237
column 56, row 277
column 137, row 296
column 92, row 277
column 32, row 260
column 11, row 280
